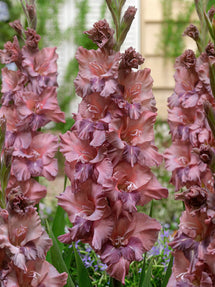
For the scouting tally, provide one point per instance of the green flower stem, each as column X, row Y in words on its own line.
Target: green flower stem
column 201, row 6
column 143, row 270
column 65, row 181
column 210, row 116
column 116, row 283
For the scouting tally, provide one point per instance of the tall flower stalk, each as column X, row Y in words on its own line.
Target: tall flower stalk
column 191, row 157
column 28, row 102
column 110, row 149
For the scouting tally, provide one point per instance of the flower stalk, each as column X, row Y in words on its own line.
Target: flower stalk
column 28, row 102
column 110, row 150
column 191, row 158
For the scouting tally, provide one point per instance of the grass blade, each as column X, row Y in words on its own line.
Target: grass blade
column 58, row 226
column 83, row 276
column 146, row 282
column 168, row 272
column 56, row 257
column 142, row 274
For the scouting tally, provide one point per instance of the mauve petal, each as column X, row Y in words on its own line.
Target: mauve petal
column 12, row 280
column 136, row 245
column 132, row 178
column 49, row 105
column 110, row 88
column 152, row 190
column 81, row 230
column 48, row 275
column 31, row 222
column 75, row 149
column 146, row 230
column 50, row 170
column 43, row 63
column 101, row 231
column 105, row 171
column 131, row 154
column 12, row 80
column 134, row 111
column 84, row 129
column 129, row 200
column 206, row 280
column 23, row 140
column 20, row 170
column 46, row 145
column 42, row 245
column 30, row 189
column 99, row 138
column 65, row 238
column 114, row 139
column 149, row 155
column 19, row 260
column 109, row 254
column 138, row 87
column 119, row 270
column 36, row 167
column 172, row 281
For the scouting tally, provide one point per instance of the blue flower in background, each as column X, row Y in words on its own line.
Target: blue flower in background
column 4, row 12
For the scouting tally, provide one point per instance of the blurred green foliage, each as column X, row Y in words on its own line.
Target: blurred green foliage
column 171, row 43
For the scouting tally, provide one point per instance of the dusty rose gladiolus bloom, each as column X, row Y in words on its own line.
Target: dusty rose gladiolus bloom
column 190, row 159
column 28, row 102
column 109, row 152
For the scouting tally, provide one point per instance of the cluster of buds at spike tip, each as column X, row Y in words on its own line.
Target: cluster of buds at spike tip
column 109, row 153
column 191, row 159
column 28, row 102
column 122, row 23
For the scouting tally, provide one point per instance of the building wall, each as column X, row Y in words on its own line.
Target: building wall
column 162, row 70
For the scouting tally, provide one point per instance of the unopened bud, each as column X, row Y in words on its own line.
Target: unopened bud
column 129, row 15
column 211, row 13
column 17, row 26
column 188, row 59
column 131, row 59
column 210, row 49
column 101, row 34
column 126, row 24
column 192, row 32
column 206, row 153
column 32, row 15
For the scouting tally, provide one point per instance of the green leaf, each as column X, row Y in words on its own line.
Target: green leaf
column 210, row 4
column 146, row 282
column 168, row 272
column 56, row 257
column 58, row 226
column 83, row 276
column 115, row 283
column 142, row 274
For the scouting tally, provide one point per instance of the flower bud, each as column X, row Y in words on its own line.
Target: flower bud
column 192, row 32
column 101, row 34
column 129, row 15
column 211, row 13
column 31, row 9
column 17, row 26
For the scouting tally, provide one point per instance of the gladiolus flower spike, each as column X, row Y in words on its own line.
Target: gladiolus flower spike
column 28, row 102
column 108, row 155
column 191, row 159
